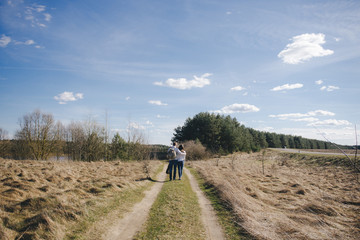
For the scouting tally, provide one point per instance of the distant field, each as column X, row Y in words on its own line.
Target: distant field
column 336, row 151
column 295, row 198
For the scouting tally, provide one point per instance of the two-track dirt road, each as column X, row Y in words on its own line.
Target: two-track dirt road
column 132, row 222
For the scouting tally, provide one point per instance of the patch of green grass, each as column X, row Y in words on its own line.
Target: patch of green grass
column 120, row 201
column 175, row 214
column 227, row 219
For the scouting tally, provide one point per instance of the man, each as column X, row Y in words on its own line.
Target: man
column 172, row 161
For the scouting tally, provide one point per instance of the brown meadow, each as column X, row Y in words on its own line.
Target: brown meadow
column 297, row 196
column 291, row 200
column 42, row 199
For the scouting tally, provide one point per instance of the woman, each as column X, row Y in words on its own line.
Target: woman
column 180, row 157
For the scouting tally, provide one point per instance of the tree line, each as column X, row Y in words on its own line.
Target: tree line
column 223, row 134
column 40, row 137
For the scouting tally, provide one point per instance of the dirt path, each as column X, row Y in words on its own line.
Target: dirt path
column 208, row 216
column 132, row 222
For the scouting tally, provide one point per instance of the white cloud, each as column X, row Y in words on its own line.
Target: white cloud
column 36, row 15
column 330, row 122
column 65, row 97
column 134, row 125
column 4, row 40
column 308, row 119
column 329, row 88
column 307, row 116
column 319, row 82
column 287, row 87
column 47, row 17
column 28, row 42
column 304, row 47
column 161, row 116
column 237, row 108
column 157, row 102
column 183, row 83
column 127, row 98
column 237, row 88
column 39, row 8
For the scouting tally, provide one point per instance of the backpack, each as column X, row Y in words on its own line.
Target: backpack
column 171, row 154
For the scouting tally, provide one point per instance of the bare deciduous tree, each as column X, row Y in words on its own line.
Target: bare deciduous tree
column 3, row 134
column 3, row 144
column 37, row 131
column 75, row 138
column 59, row 138
column 85, row 141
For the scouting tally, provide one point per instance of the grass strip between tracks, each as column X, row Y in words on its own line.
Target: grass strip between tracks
column 175, row 213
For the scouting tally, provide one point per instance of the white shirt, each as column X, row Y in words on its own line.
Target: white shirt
column 180, row 156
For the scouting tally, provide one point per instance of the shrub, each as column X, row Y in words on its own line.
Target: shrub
column 195, row 150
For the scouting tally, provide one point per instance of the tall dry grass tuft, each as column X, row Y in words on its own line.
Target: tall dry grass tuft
column 41, row 199
column 291, row 200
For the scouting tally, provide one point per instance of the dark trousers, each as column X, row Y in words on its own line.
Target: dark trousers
column 172, row 169
column 180, row 165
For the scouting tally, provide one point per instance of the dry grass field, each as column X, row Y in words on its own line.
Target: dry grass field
column 292, row 200
column 43, row 199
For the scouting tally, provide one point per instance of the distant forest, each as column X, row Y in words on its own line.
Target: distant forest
column 223, row 134
column 40, row 137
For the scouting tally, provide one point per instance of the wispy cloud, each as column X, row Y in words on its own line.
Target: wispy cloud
column 23, row 12
column 319, row 82
column 161, row 116
column 297, row 116
column 47, row 17
column 65, row 97
column 157, row 102
column 237, row 88
column 183, row 83
column 307, row 119
column 304, row 47
column 329, row 88
column 4, row 40
column 134, row 125
column 28, row 42
column 287, row 87
column 237, row 108
column 330, row 122
column 36, row 15
column 311, row 118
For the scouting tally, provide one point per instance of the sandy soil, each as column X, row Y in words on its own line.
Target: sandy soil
column 208, row 216
column 133, row 221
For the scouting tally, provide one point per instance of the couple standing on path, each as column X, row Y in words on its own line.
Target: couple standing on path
column 176, row 161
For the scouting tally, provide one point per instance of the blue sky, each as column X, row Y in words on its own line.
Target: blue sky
column 279, row 66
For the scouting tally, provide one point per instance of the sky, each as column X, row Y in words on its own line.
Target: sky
column 287, row 67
